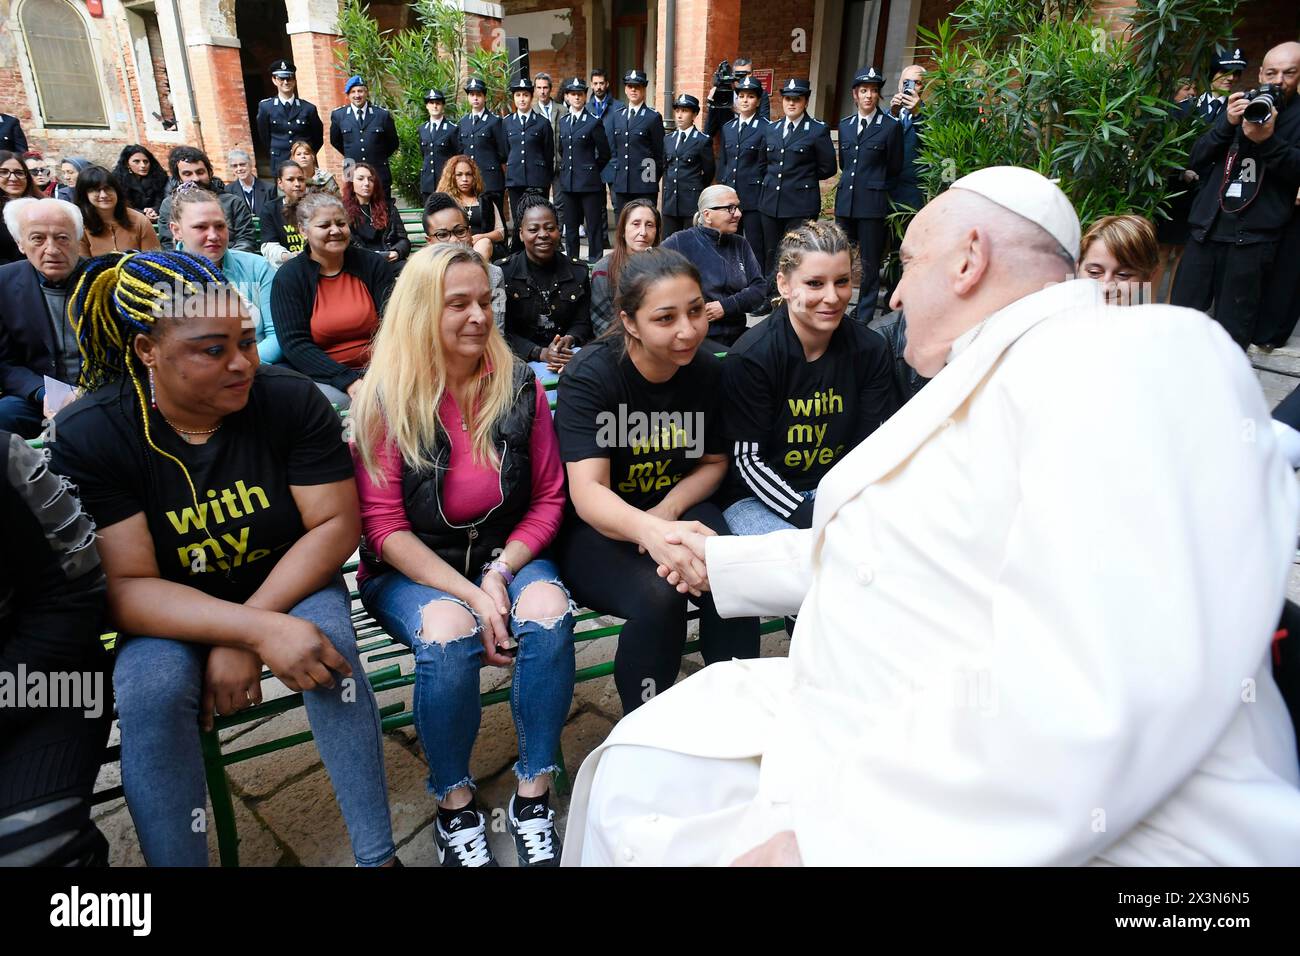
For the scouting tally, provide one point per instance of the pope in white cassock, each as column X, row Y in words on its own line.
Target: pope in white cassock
column 1035, row 606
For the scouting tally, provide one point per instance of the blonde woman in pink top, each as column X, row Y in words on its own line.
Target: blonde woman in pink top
column 462, row 492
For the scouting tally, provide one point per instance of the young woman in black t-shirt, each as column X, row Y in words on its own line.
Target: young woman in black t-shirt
column 639, row 429
column 281, row 238
column 225, row 502
column 803, row 387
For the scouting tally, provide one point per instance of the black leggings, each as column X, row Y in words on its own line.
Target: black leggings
column 611, row 577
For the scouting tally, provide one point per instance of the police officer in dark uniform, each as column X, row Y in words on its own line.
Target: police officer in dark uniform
column 871, row 156
column 483, row 139
column 636, row 138
column 12, row 137
column 363, row 132
column 744, row 159
column 688, row 159
column 285, row 118
column 439, row 142
column 584, row 151
column 799, row 154
column 1228, row 64
column 531, row 156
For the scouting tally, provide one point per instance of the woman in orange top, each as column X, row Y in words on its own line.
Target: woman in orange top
column 111, row 225
column 327, row 303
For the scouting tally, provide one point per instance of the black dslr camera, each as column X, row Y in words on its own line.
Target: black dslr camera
column 1263, row 101
column 722, row 80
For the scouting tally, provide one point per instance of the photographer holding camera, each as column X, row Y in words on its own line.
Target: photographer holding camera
column 722, row 107
column 905, row 106
column 1248, row 199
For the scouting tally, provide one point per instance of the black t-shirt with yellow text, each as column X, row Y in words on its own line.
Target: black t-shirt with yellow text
column 790, row 420
column 653, row 434
column 247, row 519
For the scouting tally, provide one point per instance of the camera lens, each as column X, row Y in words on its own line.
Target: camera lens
column 1259, row 109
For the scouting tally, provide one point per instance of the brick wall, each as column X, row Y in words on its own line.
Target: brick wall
column 571, row 58
column 117, row 77
column 1264, row 24
column 481, row 31
column 320, row 81
column 767, row 36
column 708, row 31
column 219, row 95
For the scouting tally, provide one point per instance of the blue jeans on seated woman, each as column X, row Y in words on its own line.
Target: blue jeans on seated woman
column 447, row 706
column 751, row 516
column 159, row 684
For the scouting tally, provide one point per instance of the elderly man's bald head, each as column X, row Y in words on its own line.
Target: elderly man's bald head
column 964, row 258
column 1282, row 66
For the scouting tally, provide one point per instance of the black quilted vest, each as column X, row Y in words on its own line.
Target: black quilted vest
column 467, row 547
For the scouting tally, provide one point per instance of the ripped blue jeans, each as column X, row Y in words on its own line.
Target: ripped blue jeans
column 447, row 708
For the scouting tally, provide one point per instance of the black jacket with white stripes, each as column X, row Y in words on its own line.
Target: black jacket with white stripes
column 790, row 418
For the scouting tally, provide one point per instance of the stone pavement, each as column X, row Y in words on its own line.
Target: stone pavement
column 285, row 806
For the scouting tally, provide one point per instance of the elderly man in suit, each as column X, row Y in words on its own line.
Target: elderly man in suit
column 985, row 671
column 36, row 339
column 257, row 194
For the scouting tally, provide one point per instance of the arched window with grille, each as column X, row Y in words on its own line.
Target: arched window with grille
column 62, row 64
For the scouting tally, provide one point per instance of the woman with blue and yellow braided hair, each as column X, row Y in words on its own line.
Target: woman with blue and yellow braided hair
column 226, row 505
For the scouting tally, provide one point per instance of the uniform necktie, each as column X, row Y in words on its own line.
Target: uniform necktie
column 789, row 127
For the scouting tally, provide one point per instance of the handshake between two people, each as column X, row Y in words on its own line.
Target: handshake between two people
column 678, row 548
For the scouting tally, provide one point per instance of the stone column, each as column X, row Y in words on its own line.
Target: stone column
column 212, row 50
column 313, row 30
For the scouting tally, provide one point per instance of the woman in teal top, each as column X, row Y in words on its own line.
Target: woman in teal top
column 199, row 226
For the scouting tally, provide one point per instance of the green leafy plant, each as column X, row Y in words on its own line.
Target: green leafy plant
column 1047, row 85
column 401, row 66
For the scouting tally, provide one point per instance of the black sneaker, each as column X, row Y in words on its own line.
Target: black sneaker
column 536, row 841
column 464, row 841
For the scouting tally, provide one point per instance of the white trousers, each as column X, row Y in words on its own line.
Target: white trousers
column 653, row 807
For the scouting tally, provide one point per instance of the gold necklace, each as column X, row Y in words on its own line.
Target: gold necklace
column 184, row 433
